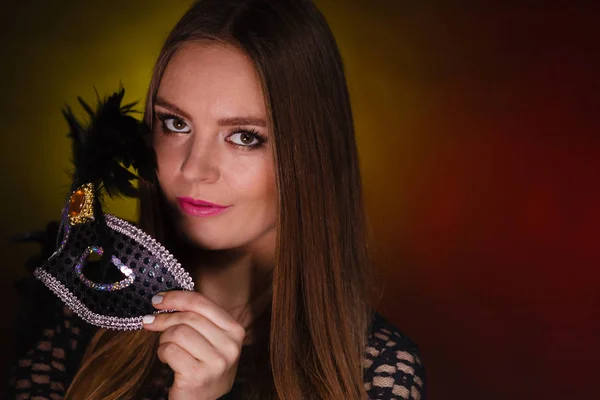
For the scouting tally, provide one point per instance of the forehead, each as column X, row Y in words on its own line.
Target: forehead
column 212, row 77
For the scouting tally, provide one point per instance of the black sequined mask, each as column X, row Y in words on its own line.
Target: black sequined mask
column 104, row 268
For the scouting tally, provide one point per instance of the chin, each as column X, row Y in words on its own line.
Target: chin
column 199, row 233
column 205, row 237
column 206, row 242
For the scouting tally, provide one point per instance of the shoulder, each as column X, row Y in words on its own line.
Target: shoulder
column 392, row 365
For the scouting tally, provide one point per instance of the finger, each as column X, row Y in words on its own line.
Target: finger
column 187, row 300
column 180, row 361
column 198, row 346
column 198, row 325
column 191, row 341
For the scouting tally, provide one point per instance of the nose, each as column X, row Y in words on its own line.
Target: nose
column 201, row 161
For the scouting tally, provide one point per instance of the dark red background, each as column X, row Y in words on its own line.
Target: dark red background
column 497, row 240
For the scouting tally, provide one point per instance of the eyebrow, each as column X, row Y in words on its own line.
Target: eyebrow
column 159, row 101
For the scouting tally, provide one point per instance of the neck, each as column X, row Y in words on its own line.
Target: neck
column 241, row 287
column 238, row 280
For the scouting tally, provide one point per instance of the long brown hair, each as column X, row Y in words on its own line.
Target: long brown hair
column 323, row 281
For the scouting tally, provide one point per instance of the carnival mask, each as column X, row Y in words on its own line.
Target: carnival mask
column 104, row 268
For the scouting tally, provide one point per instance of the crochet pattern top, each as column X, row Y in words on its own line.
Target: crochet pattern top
column 50, row 345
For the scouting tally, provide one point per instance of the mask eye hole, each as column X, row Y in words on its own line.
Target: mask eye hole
column 118, row 278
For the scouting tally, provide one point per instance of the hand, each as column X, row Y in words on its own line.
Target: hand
column 201, row 343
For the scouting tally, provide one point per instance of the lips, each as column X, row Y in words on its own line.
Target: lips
column 200, row 208
column 199, row 203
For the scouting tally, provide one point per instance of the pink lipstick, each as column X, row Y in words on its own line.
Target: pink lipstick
column 200, row 208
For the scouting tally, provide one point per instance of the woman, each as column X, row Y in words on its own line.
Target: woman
column 259, row 197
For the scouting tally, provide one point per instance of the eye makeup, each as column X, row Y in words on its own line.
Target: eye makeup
column 165, row 118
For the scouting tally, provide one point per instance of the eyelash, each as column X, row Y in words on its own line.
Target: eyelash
column 162, row 116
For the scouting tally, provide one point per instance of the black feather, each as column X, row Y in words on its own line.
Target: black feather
column 111, row 143
column 103, row 151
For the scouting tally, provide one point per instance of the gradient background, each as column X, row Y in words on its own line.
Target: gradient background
column 478, row 131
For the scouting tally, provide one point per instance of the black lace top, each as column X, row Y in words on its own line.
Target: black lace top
column 50, row 344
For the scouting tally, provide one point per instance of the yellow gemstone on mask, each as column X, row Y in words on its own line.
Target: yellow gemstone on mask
column 76, row 203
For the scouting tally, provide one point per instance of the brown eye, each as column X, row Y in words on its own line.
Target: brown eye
column 176, row 125
column 245, row 139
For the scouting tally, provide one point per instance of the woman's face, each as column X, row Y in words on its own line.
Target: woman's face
column 212, row 144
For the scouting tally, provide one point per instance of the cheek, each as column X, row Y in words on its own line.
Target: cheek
column 255, row 181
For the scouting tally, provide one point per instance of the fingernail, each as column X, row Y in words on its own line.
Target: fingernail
column 156, row 299
column 148, row 319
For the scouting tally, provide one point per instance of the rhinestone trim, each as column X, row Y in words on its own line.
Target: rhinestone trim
column 116, row 323
column 159, row 252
